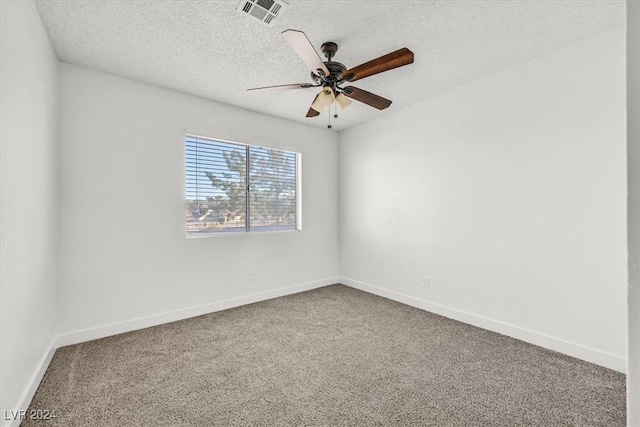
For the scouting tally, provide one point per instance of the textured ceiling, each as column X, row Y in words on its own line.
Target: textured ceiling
column 208, row 49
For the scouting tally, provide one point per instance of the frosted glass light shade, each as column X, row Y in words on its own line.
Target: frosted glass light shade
column 326, row 96
column 343, row 101
column 317, row 105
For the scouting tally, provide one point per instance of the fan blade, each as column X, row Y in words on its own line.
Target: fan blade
column 367, row 97
column 312, row 112
column 386, row 62
column 303, row 47
column 281, row 87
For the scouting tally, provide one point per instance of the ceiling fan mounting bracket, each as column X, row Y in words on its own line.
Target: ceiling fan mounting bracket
column 329, row 49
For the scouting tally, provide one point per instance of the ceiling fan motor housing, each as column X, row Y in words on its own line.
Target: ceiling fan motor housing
column 335, row 68
column 335, row 73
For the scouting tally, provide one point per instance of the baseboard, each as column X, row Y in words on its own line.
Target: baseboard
column 89, row 334
column 30, row 390
column 572, row 349
column 578, row 351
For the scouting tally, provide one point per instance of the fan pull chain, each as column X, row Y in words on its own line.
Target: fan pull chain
column 335, row 112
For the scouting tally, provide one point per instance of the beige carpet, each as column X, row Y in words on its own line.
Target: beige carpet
column 333, row 356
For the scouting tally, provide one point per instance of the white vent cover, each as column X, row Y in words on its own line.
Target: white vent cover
column 263, row 10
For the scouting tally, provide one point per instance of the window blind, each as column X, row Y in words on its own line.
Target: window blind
column 233, row 187
column 272, row 189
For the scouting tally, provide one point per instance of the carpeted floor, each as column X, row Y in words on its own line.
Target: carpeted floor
column 333, row 356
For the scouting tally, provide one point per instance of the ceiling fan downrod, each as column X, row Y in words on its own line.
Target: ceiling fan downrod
column 329, row 49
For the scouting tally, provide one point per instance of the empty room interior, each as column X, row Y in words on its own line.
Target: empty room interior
column 267, row 212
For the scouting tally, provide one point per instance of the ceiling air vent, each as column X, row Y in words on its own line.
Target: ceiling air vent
column 264, row 10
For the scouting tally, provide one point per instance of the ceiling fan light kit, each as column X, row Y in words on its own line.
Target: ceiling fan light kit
column 326, row 96
column 317, row 106
column 342, row 101
column 331, row 75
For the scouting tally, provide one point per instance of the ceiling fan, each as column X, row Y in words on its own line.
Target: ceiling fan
column 331, row 75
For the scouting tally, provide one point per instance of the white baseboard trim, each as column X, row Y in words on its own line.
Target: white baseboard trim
column 30, row 390
column 89, row 334
column 578, row 351
column 76, row 337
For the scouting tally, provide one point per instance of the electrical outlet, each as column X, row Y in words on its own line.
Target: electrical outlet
column 426, row 282
column 253, row 277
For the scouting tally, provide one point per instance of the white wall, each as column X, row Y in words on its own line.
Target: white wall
column 633, row 224
column 509, row 194
column 124, row 255
column 29, row 191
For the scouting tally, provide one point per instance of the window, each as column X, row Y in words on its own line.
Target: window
column 233, row 187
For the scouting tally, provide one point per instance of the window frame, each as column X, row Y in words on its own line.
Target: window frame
column 247, row 229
